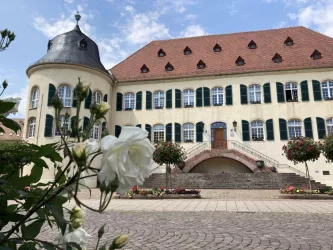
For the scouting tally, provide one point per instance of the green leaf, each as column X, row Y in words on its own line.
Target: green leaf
column 103, row 247
column 3, row 203
column 32, row 230
column 13, row 125
column 73, row 245
column 11, row 208
column 28, row 246
column 58, row 216
column 6, row 106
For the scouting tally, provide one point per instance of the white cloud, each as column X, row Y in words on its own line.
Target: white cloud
column 191, row 17
column 130, row 9
column 193, row 30
column 281, row 24
column 179, row 6
column 69, row 1
column 112, row 51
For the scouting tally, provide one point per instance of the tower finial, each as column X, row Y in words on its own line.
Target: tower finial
column 77, row 17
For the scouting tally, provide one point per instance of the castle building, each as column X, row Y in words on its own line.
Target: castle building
column 240, row 96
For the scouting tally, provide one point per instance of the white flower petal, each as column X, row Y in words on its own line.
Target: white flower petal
column 132, row 134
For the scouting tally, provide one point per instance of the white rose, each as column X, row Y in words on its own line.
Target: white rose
column 91, row 147
column 103, row 108
column 80, row 153
column 128, row 157
column 78, row 236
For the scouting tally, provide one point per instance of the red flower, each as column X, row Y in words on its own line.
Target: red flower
column 27, row 188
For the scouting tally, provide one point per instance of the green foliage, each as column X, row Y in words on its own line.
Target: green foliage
column 327, row 148
column 169, row 153
column 6, row 38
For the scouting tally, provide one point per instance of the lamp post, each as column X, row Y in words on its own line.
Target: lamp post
column 234, row 124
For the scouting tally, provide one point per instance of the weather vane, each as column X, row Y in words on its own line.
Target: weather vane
column 77, row 17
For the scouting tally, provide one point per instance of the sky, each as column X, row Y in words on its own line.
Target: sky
column 121, row 27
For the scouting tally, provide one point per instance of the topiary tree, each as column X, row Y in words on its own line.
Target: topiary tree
column 168, row 153
column 302, row 150
column 327, row 148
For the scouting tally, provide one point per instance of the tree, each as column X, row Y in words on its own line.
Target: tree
column 327, row 148
column 168, row 153
column 302, row 150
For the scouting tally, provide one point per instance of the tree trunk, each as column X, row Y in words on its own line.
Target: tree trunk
column 167, row 167
column 308, row 175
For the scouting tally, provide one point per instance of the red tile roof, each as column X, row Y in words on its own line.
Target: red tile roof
column 269, row 42
column 9, row 134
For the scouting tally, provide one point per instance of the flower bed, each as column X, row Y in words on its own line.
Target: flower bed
column 291, row 192
column 161, row 193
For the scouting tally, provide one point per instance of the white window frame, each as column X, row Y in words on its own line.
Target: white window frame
column 293, row 88
column 31, row 127
column 159, row 99
column 257, row 128
column 327, row 91
column 96, row 131
column 97, row 97
column 62, row 126
column 329, row 126
column 294, row 126
column 188, row 95
column 158, row 133
column 255, row 93
column 217, row 92
column 188, row 132
column 129, row 101
column 34, row 97
column 65, row 95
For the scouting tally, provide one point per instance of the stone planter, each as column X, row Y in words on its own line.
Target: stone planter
column 165, row 196
column 306, row 196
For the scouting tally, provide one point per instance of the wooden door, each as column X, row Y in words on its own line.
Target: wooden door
column 219, row 141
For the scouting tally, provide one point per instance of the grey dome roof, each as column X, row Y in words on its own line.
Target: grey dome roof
column 65, row 48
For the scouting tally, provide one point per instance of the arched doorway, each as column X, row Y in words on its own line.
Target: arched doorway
column 219, row 135
column 221, row 165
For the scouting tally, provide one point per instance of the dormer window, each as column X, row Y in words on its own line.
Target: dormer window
column 252, row 45
column 240, row 61
column 201, row 65
column 217, row 48
column 168, row 67
column 289, row 42
column 144, row 69
column 83, row 44
column 277, row 58
column 161, row 53
column 187, row 51
column 49, row 44
column 316, row 55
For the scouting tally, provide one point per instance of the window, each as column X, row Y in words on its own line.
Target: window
column 217, row 96
column 161, row 53
column 294, row 128
column 31, row 127
column 144, row 69
column 257, row 130
column 34, row 98
column 97, row 97
column 289, row 42
column 83, row 44
column 316, row 55
column 277, row 58
column 65, row 93
column 291, row 92
column 49, row 44
column 95, row 131
column 187, row 51
column 327, row 87
column 159, row 99
column 201, row 65
column 329, row 124
column 168, row 67
column 252, row 45
column 326, row 172
column 188, row 130
column 255, row 94
column 217, row 48
column 158, row 133
column 64, row 126
column 240, row 61
column 129, row 101
column 189, row 98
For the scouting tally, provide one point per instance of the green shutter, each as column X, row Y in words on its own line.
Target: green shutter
column 305, row 91
column 243, row 94
column 321, row 127
column 168, row 132
column 52, row 91
column 308, row 127
column 149, row 101
column 206, row 96
column 198, row 97
column 178, row 100
column 178, row 135
column 199, row 131
column 138, row 126
column 103, row 126
column 148, row 129
column 138, row 98
column 119, row 101
column 228, row 95
column 73, row 132
column 105, row 98
column 245, row 130
column 280, row 92
column 74, row 103
column 169, row 99
column 267, row 93
column 85, row 123
column 87, row 101
column 316, row 90
column 270, row 130
column 283, row 129
column 48, row 126
column 117, row 131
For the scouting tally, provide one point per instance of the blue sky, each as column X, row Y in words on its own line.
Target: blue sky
column 121, row 27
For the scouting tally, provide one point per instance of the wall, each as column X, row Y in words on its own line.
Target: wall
column 220, row 165
column 237, row 112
